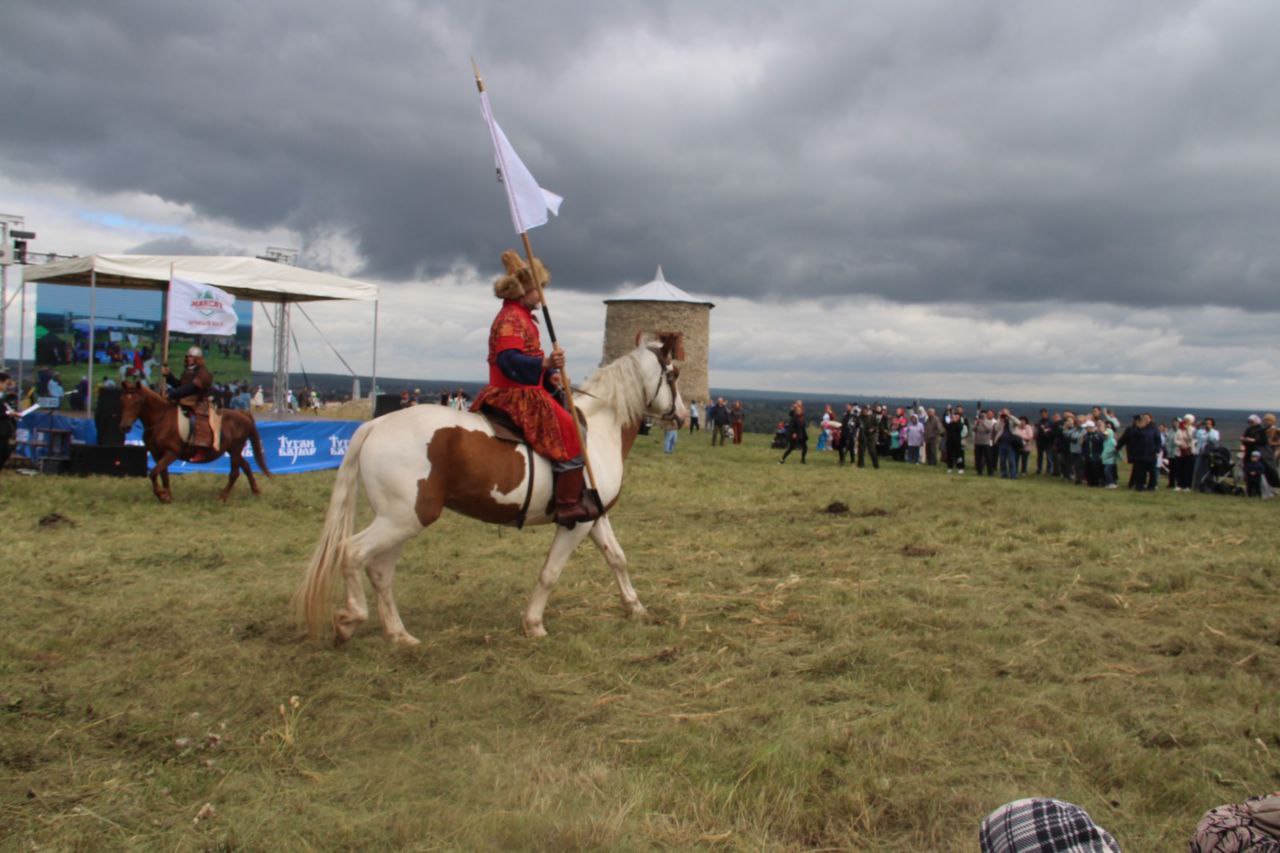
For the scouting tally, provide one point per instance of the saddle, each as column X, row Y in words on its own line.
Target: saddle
column 503, row 427
column 199, row 425
column 507, row 430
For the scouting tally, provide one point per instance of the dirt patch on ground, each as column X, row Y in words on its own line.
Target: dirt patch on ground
column 918, row 551
column 837, row 508
column 53, row 520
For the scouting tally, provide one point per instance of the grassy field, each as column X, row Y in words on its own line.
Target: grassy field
column 876, row 679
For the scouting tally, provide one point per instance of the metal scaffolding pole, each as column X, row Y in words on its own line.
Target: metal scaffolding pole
column 22, row 330
column 4, row 315
column 280, row 379
column 373, row 379
column 93, row 319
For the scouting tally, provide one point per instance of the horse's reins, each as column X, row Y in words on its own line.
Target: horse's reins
column 670, row 374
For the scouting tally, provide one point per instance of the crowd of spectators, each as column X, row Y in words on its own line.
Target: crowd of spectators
column 1083, row 448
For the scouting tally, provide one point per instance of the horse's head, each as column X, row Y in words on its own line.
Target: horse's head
column 664, row 401
column 131, row 400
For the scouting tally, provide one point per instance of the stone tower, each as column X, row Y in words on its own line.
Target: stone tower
column 656, row 307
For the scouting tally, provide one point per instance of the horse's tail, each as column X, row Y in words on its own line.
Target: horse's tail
column 311, row 601
column 256, row 441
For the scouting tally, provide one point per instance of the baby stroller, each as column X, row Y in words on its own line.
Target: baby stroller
column 1221, row 477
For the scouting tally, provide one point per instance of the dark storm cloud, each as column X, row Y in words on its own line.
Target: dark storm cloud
column 923, row 152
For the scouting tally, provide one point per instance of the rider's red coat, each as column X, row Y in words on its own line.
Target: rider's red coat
column 546, row 425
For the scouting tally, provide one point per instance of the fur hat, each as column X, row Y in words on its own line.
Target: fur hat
column 517, row 281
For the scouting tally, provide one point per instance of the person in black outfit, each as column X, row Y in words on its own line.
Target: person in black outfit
column 1253, row 474
column 848, row 432
column 8, row 418
column 1062, row 446
column 1044, row 444
column 718, row 421
column 956, row 427
column 797, row 434
column 868, row 435
column 1091, row 454
column 1129, row 441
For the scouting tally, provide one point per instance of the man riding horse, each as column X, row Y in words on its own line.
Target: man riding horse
column 523, row 381
column 191, row 392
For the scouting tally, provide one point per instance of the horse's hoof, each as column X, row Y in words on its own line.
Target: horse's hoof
column 534, row 631
column 404, row 639
column 638, row 613
column 165, row 497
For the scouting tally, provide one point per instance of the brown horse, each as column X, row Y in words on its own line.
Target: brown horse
column 160, row 434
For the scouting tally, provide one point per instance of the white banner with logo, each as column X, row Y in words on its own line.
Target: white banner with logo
column 202, row 309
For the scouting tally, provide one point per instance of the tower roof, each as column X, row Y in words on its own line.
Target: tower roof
column 658, row 290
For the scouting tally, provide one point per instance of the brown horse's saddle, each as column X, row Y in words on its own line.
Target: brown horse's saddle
column 192, row 420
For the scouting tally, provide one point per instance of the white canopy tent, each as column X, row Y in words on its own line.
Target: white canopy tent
column 245, row 278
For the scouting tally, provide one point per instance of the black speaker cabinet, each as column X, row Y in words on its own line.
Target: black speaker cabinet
column 385, row 404
column 107, row 417
column 126, row 460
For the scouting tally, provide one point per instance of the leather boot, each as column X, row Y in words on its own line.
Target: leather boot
column 570, row 507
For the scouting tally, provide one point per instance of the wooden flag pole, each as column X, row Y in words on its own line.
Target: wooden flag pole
column 168, row 294
column 551, row 334
column 565, row 385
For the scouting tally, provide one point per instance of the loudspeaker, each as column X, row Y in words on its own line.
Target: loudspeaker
column 126, row 460
column 52, row 465
column 385, row 404
column 107, row 417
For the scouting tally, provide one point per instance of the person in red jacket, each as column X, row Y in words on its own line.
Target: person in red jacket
column 524, row 383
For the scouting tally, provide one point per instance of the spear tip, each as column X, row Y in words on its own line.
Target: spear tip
column 476, row 69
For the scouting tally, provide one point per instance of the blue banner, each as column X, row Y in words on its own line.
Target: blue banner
column 291, row 447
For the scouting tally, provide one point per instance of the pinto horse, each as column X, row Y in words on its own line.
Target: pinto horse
column 415, row 463
column 160, row 434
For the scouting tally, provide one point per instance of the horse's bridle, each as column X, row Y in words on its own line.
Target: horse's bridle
column 670, row 374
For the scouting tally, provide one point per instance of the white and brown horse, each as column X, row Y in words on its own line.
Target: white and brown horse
column 417, row 462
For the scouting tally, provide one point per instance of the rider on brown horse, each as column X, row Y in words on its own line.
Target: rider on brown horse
column 523, row 380
column 192, row 393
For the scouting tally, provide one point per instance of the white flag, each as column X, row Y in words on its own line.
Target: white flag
column 529, row 202
column 200, row 308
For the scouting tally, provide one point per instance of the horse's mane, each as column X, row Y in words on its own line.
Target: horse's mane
column 620, row 384
column 144, row 390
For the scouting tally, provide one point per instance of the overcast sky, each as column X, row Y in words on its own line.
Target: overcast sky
column 1025, row 200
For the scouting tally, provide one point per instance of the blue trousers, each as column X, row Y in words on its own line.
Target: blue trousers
column 1008, row 462
column 669, row 444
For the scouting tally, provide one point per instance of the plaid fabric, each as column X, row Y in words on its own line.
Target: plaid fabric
column 1041, row 825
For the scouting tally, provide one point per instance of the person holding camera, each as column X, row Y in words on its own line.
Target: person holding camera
column 1008, row 444
column 985, row 426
